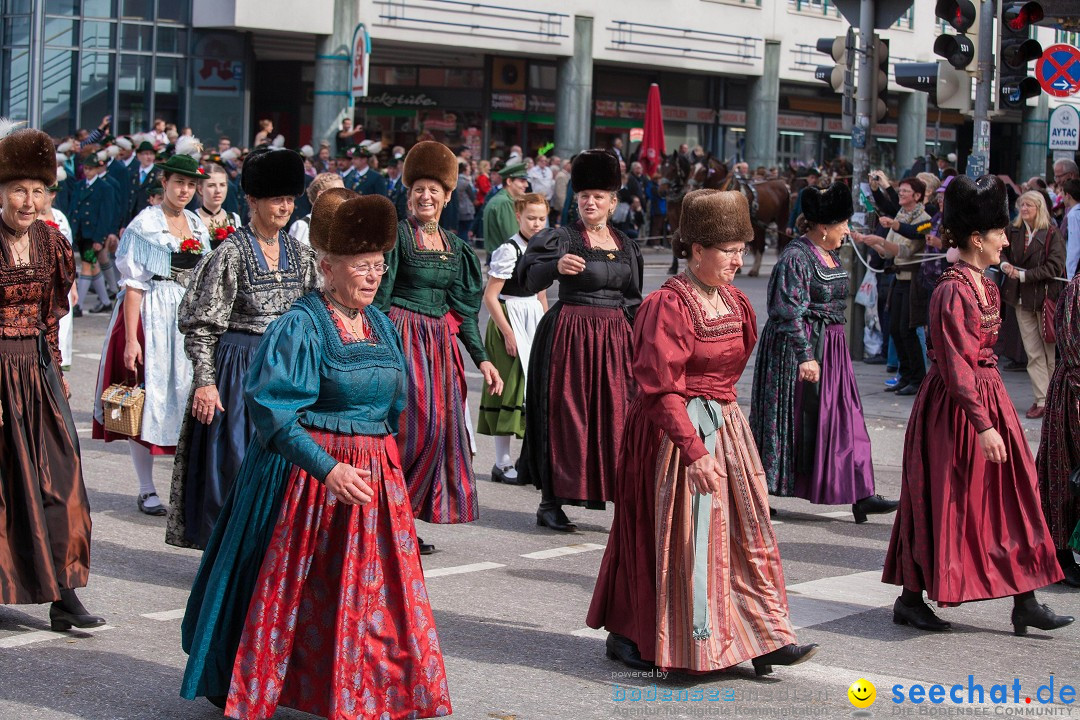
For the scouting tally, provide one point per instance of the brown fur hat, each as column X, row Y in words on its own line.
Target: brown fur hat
column 362, row 224
column 322, row 214
column 28, row 155
column 712, row 217
column 596, row 170
column 431, row 160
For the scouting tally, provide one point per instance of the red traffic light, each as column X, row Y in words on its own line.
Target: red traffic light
column 1019, row 16
column 960, row 14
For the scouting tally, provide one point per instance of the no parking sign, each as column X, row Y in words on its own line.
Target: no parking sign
column 1058, row 70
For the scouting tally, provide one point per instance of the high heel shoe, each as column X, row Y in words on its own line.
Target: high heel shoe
column 68, row 612
column 1037, row 616
column 872, row 505
column 623, row 649
column 918, row 616
column 788, row 655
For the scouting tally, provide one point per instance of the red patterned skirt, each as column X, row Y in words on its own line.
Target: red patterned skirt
column 340, row 624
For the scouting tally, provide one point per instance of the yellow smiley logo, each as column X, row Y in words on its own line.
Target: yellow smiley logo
column 862, row 693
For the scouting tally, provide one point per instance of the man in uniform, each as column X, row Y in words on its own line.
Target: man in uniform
column 500, row 222
column 142, row 176
column 365, row 180
column 396, row 190
column 92, row 222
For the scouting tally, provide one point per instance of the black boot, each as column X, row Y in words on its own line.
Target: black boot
column 872, row 505
column 551, row 516
column 425, row 548
column 1031, row 613
column 625, row 651
column 918, row 616
column 1069, row 567
column 788, row 655
column 68, row 612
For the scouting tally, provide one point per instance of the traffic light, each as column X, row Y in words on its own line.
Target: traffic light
column 880, row 67
column 962, row 16
column 1016, row 49
column 948, row 87
column 833, row 75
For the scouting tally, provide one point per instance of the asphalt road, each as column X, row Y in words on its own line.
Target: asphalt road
column 510, row 602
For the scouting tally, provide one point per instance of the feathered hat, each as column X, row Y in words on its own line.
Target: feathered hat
column 188, row 145
column 26, row 154
column 431, row 160
column 596, row 170
column 344, row 225
column 273, row 173
column 712, row 217
column 974, row 206
column 829, row 206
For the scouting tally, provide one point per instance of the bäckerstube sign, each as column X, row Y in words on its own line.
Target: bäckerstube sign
column 1064, row 128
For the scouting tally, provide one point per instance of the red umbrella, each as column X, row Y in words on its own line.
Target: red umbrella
column 651, row 152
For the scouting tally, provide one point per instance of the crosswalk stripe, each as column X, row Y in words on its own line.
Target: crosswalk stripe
column 461, row 569
column 561, row 551
column 38, row 636
column 166, row 615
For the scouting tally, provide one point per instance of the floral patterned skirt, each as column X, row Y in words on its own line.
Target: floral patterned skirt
column 340, row 624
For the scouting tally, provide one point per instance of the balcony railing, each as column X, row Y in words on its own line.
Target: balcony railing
column 659, row 40
column 474, row 19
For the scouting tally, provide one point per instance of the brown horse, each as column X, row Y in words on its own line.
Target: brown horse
column 769, row 201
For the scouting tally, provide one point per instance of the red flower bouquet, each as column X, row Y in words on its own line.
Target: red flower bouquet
column 52, row 224
column 191, row 245
column 223, row 231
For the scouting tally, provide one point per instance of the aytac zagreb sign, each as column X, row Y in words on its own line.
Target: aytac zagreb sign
column 1064, row 129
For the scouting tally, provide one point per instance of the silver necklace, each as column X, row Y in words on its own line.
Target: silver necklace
column 345, row 310
column 267, row 241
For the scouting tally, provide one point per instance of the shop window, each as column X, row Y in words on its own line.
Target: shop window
column 542, row 77
column 99, row 8
column 393, row 76
column 171, row 40
column 137, row 9
column 15, row 78
column 137, row 37
column 451, row 77
column 134, row 96
column 61, row 32
column 177, row 11
column 98, row 35
column 59, row 90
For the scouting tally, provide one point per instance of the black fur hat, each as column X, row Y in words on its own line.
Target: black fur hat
column 974, row 206
column 827, row 207
column 360, row 224
column 27, row 154
column 596, row 170
column 272, row 173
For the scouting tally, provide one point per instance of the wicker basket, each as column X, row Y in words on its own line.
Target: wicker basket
column 123, row 406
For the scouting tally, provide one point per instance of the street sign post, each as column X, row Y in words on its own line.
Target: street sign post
column 1058, row 70
column 1064, row 129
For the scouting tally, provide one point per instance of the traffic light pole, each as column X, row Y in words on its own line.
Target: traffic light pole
column 979, row 160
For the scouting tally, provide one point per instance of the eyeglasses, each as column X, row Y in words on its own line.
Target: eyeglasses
column 363, row 269
column 735, row 252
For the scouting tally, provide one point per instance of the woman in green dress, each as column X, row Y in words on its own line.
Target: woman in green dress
column 432, row 292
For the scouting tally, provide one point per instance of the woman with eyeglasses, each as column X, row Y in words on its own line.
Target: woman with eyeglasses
column 691, row 579
column 251, row 278
column 310, row 594
column 432, row 291
column 805, row 410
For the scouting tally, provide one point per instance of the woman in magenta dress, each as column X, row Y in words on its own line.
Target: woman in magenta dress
column 970, row 524
column 691, row 578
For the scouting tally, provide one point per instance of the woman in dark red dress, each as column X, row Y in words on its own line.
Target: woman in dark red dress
column 44, row 513
column 970, row 524
column 691, row 578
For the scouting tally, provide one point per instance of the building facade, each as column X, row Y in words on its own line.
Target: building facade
column 736, row 76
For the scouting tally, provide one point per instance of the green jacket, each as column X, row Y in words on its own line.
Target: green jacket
column 500, row 222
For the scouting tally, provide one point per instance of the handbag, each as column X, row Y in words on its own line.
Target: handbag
column 123, row 409
column 1049, row 306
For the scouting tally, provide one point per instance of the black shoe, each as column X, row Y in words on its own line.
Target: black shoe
column 625, row 651
column 772, row 512
column 425, row 548
column 875, row 360
column 68, row 612
column 156, row 510
column 891, row 369
column 1037, row 616
column 1014, row 366
column 920, row 616
column 499, row 475
column 554, row 519
column 908, row 390
column 103, row 309
column 872, row 505
column 895, row 388
column 788, row 655
column 76, row 312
